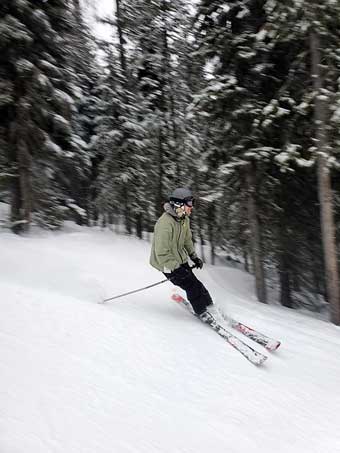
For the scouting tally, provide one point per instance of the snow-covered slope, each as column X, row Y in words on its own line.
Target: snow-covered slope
column 141, row 375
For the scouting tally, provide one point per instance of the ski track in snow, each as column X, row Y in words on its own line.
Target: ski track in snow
column 140, row 374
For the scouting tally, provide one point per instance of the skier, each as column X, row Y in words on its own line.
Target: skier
column 172, row 246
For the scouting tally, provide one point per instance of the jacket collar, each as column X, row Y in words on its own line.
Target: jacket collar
column 169, row 210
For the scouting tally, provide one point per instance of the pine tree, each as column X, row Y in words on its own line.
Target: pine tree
column 258, row 63
column 86, row 73
column 42, row 147
column 144, row 150
column 316, row 24
column 233, row 97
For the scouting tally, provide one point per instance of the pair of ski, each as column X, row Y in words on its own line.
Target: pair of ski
column 255, row 357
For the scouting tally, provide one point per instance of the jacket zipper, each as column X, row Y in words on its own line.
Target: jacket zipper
column 179, row 236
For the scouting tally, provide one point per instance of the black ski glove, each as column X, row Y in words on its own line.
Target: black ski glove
column 198, row 262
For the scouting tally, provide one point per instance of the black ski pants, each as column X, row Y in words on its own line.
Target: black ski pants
column 197, row 293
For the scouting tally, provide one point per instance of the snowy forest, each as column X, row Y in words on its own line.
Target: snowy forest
column 237, row 99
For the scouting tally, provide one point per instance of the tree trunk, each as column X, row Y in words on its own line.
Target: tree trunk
column 15, row 205
column 22, row 189
column 284, row 255
column 285, row 286
column 245, row 259
column 211, row 232
column 25, row 164
column 324, row 182
column 127, row 214
column 139, row 226
column 255, row 235
column 244, row 235
column 201, row 236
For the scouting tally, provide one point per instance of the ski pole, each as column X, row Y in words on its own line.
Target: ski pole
column 140, row 289
column 135, row 291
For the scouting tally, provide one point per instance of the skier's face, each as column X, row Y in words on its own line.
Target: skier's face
column 187, row 210
column 188, row 205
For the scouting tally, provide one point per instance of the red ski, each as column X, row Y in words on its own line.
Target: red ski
column 248, row 352
column 267, row 342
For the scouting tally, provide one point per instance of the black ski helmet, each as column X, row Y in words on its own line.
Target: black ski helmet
column 181, row 195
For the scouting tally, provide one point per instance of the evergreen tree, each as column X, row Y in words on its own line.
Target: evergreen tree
column 143, row 154
column 41, row 147
column 233, row 97
column 87, row 72
column 261, row 86
column 317, row 63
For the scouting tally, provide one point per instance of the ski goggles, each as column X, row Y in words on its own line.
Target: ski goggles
column 189, row 202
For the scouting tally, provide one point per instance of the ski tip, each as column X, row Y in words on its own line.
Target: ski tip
column 261, row 360
column 177, row 298
column 273, row 345
column 258, row 360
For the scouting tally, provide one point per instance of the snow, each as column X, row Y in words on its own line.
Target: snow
column 140, row 374
column 79, row 142
column 283, row 158
column 266, row 123
column 323, row 98
column 63, row 96
column 303, row 106
column 260, row 36
column 246, row 54
column 24, row 66
column 225, row 7
column 305, row 163
column 52, row 147
column 42, row 18
column 12, row 29
column 268, row 109
column 212, row 197
column 281, row 112
column 51, row 68
column 43, row 80
column 80, row 211
column 243, row 13
column 98, row 10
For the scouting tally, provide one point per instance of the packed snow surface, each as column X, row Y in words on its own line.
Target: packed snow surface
column 140, row 374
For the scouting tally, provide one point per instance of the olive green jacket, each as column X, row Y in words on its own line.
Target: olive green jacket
column 172, row 242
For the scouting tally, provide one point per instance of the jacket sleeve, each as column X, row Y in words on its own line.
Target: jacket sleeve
column 188, row 244
column 163, row 239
